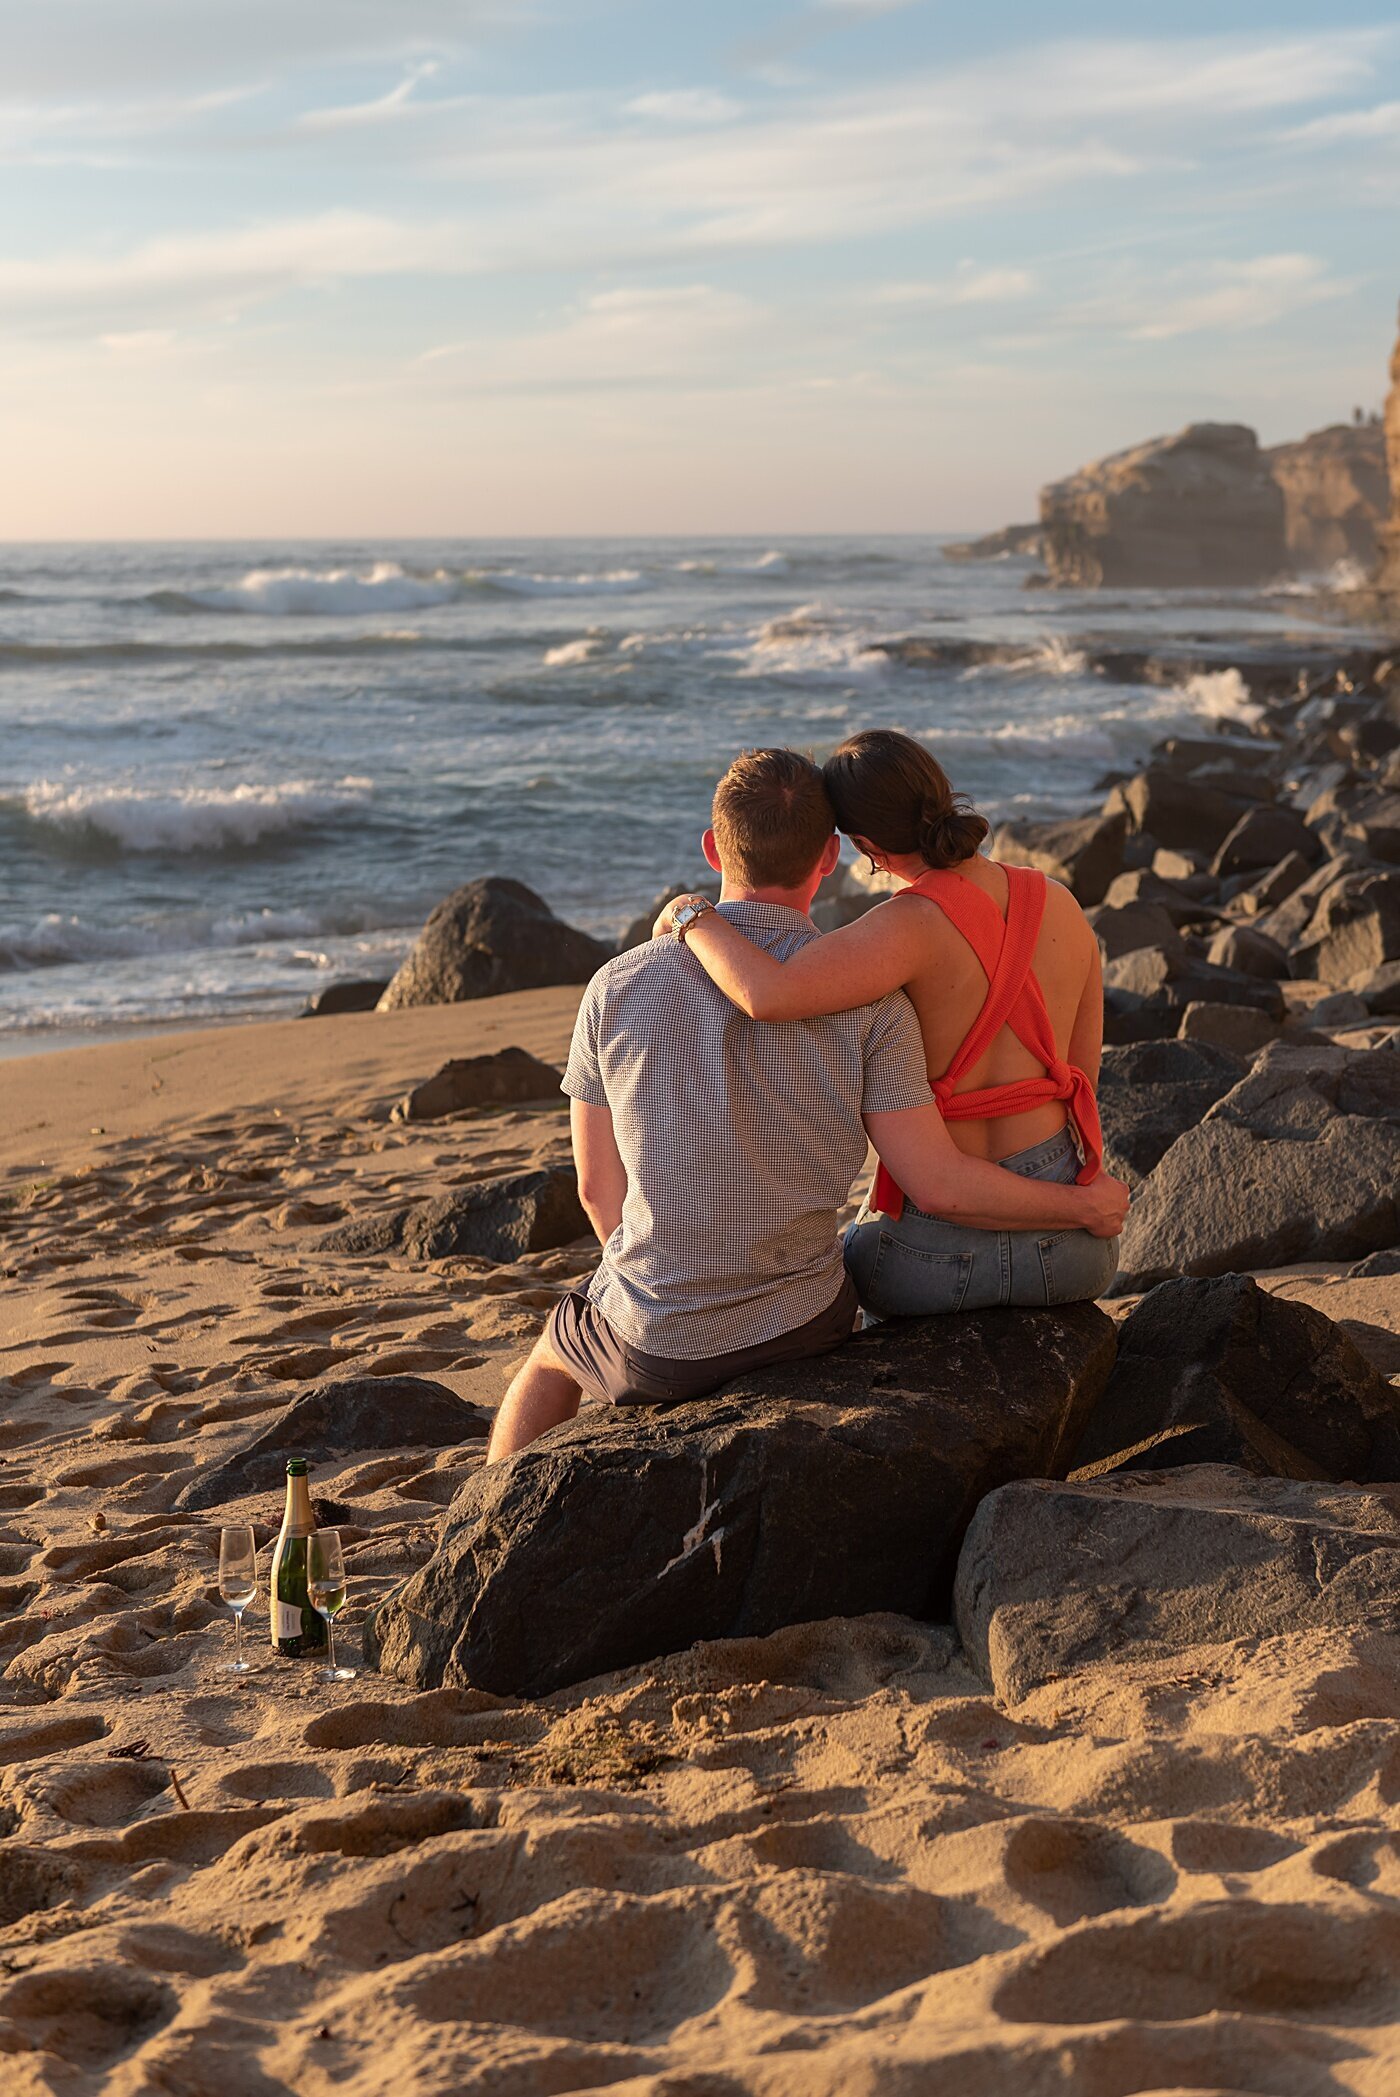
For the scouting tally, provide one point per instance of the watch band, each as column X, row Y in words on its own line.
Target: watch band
column 689, row 914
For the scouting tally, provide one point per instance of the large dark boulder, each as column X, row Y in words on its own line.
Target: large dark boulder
column 1354, row 930
column 1151, row 1093
column 1179, row 811
column 1301, row 1161
column 505, row 1078
column 490, row 937
column 497, row 1219
column 1264, row 836
column 1085, row 853
column 1141, row 1565
column 341, row 1418
column 830, row 1487
column 1221, row 1372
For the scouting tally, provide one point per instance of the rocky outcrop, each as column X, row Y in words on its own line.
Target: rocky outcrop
column 833, row 1487
column 339, row 1419
column 1388, row 573
column 1300, row 1161
column 1011, row 541
column 1054, row 1577
column 491, row 1220
column 1222, row 1372
column 1336, row 496
column 1197, row 509
column 487, row 938
column 506, row 1078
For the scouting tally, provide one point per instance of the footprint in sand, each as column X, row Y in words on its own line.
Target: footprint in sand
column 88, row 2015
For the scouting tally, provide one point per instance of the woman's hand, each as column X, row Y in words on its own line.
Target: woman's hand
column 1106, row 1202
column 666, row 924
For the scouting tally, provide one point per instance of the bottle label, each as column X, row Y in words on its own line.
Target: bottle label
column 286, row 1622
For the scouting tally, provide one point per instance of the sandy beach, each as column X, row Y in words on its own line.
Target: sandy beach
column 826, row 1861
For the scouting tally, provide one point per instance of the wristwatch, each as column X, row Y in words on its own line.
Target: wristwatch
column 694, row 907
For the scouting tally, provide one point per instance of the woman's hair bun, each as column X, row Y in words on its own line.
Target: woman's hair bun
column 950, row 831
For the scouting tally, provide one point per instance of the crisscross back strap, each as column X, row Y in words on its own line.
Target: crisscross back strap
column 1005, row 947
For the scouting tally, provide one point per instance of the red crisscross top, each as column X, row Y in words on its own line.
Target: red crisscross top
column 1006, row 949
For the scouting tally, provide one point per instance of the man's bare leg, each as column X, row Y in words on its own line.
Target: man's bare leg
column 541, row 1395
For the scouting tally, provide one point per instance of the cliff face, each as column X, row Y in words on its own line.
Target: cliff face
column 1388, row 576
column 1197, row 509
column 1336, row 496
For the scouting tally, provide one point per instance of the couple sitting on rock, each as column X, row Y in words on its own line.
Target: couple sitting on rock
column 725, row 1076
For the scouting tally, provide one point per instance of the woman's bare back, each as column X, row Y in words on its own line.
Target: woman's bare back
column 949, row 993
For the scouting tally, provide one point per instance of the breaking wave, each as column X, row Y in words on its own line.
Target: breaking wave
column 191, row 819
column 306, row 592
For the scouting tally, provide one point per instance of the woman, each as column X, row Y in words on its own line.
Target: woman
column 1003, row 970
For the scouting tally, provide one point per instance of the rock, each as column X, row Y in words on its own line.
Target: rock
column 490, row 937
column 1342, row 1009
column 360, row 994
column 1134, row 926
column 639, row 931
column 1377, row 1266
column 1300, row 1161
column 1013, row 541
column 1354, row 930
column 1178, row 812
column 1220, row 1372
column 1374, row 823
column 1387, row 577
column 1152, row 1093
column 1250, row 952
column 505, row 1078
column 497, row 1219
column 1212, row 753
column 1380, row 991
column 1242, row 1030
column 634, row 1533
column 1288, row 923
column 1085, row 855
column 1274, row 887
column 1200, row 508
column 341, row 1418
column 1185, row 902
column 1335, row 496
column 1263, row 837
column 1176, row 866
column 1145, row 972
column 1056, row 1577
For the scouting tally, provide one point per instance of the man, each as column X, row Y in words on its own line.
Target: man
column 714, row 1151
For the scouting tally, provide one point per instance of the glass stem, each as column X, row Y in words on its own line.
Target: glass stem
column 238, row 1619
column 330, row 1638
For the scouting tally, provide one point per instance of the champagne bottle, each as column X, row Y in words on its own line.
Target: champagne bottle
column 296, row 1627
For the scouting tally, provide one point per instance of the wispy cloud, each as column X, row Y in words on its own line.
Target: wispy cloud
column 1257, row 292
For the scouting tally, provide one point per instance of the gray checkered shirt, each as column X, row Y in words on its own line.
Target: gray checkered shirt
column 741, row 1140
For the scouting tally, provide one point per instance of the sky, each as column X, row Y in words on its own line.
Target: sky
column 387, row 268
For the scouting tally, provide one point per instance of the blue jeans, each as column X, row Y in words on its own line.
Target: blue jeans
column 922, row 1265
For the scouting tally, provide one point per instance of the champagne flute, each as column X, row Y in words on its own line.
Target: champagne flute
column 325, row 1587
column 237, row 1582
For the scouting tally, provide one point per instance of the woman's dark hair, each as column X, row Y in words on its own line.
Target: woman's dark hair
column 885, row 786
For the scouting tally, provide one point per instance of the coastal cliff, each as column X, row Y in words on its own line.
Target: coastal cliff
column 1388, row 574
column 1201, row 507
column 1336, row 496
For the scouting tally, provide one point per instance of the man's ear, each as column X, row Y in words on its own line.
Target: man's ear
column 711, row 851
column 830, row 854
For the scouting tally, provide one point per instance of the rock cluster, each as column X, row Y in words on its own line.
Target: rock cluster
column 488, row 938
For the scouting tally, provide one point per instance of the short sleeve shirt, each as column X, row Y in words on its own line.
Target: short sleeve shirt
column 741, row 1139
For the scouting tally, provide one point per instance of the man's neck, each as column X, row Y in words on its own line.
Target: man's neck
column 799, row 899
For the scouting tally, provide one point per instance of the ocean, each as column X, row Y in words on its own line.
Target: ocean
column 232, row 773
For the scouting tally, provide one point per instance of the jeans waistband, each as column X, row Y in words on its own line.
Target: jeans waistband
column 1034, row 1163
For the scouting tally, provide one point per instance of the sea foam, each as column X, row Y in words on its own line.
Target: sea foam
column 302, row 592
column 189, row 819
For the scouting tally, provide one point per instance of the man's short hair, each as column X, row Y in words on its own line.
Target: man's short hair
column 772, row 818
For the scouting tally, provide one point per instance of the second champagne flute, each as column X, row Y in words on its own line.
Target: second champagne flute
column 237, row 1581
column 325, row 1586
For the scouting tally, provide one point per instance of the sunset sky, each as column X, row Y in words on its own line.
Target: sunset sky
column 423, row 267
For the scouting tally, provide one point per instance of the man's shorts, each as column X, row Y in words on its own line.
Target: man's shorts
column 607, row 1367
